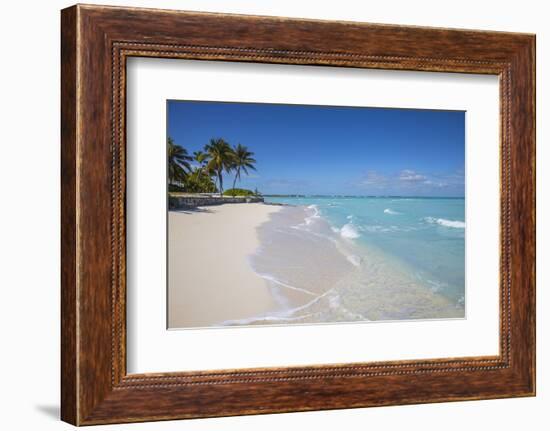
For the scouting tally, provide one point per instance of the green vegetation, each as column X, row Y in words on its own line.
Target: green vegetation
column 175, row 188
column 199, row 182
column 221, row 157
column 242, row 161
column 204, row 171
column 239, row 192
column 178, row 162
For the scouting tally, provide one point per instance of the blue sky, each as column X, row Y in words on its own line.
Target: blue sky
column 304, row 149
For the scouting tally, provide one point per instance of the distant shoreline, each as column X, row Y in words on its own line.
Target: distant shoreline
column 267, row 195
column 360, row 196
column 180, row 200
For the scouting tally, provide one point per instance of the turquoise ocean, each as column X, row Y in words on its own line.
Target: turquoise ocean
column 330, row 259
column 426, row 234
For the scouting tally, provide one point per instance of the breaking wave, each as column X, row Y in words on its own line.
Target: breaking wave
column 457, row 224
column 349, row 231
column 390, row 211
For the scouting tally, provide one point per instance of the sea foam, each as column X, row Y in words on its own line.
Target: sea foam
column 354, row 259
column 286, row 285
column 315, row 215
column 349, row 231
column 457, row 224
column 390, row 211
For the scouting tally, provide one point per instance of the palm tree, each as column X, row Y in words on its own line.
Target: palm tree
column 178, row 162
column 202, row 159
column 243, row 161
column 220, row 158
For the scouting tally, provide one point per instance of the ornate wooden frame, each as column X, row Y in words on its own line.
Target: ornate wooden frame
column 95, row 42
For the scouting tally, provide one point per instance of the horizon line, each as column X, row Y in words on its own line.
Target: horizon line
column 310, row 195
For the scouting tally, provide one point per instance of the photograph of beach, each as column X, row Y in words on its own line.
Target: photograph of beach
column 299, row 214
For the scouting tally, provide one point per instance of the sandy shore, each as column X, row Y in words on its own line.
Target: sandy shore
column 209, row 277
column 256, row 264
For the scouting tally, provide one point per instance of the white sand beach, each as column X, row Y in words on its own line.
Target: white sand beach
column 210, row 279
column 257, row 264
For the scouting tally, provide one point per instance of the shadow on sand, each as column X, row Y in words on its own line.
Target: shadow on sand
column 191, row 210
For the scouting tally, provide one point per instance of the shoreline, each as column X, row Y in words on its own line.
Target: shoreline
column 283, row 263
column 352, row 282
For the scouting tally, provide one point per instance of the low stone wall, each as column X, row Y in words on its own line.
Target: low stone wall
column 182, row 202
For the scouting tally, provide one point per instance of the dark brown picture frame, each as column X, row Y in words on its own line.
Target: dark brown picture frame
column 95, row 44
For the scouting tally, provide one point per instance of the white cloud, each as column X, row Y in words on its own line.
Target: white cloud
column 411, row 176
column 435, row 183
column 410, row 181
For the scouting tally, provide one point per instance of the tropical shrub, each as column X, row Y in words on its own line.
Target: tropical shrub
column 199, row 182
column 239, row 192
column 175, row 188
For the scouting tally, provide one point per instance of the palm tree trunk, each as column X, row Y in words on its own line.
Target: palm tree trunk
column 215, row 181
column 221, row 182
column 235, row 180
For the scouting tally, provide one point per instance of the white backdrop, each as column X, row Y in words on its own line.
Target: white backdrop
column 29, row 225
column 151, row 348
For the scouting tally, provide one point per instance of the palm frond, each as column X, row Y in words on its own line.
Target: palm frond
column 179, row 165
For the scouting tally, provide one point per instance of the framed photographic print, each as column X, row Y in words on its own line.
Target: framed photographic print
column 328, row 224
column 268, row 215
